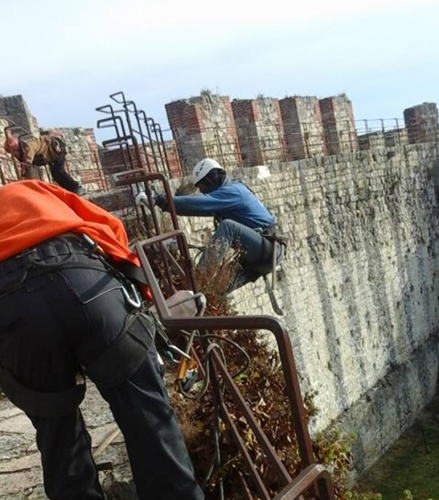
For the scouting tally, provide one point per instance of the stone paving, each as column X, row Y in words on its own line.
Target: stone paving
column 21, row 474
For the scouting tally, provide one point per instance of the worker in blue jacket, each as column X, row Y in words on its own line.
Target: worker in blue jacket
column 242, row 221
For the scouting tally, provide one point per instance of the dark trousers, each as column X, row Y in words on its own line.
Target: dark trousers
column 61, row 176
column 51, row 326
column 251, row 245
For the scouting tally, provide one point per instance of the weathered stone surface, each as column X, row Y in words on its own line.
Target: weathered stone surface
column 16, row 110
column 8, row 171
column 421, row 122
column 338, row 122
column 20, row 467
column 259, row 128
column 303, row 126
column 203, row 126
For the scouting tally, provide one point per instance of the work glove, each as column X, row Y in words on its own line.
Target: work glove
column 142, row 198
column 161, row 202
column 157, row 199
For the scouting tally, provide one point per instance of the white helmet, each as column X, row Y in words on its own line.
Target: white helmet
column 202, row 168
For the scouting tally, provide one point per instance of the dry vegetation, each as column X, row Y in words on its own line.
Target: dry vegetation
column 262, row 384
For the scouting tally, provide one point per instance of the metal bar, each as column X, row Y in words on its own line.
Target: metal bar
column 153, row 126
column 140, row 175
column 145, row 119
column 176, row 265
column 108, row 109
column 313, row 474
column 245, row 454
column 165, row 153
column 135, row 111
column 278, row 466
column 125, row 112
column 245, row 486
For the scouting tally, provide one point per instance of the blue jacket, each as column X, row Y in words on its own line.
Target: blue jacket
column 233, row 200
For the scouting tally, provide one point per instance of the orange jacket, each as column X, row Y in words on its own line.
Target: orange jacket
column 33, row 211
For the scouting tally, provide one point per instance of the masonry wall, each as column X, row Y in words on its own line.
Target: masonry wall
column 359, row 287
column 303, row 127
column 204, row 126
column 8, row 171
column 372, row 140
column 16, row 109
column 153, row 160
column 421, row 122
column 259, row 128
column 338, row 122
column 397, row 137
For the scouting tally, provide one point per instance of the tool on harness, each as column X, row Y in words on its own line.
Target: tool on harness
column 127, row 275
column 184, row 303
column 275, row 244
column 187, row 372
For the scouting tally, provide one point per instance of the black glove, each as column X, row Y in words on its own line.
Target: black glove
column 161, row 202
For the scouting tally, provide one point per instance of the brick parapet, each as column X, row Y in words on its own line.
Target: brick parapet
column 421, row 122
column 339, row 125
column 204, row 126
column 259, row 129
column 303, row 127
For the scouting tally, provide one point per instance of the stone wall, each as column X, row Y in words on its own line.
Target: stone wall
column 303, row 126
column 204, row 126
column 372, row 140
column 396, row 137
column 359, row 287
column 422, row 123
column 259, row 128
column 8, row 171
column 16, row 110
column 338, row 121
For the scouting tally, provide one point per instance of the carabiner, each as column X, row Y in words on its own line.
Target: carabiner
column 136, row 300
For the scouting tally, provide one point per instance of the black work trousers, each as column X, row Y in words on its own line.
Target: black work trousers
column 61, row 176
column 66, row 319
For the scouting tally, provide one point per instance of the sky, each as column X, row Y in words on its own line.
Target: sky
column 66, row 58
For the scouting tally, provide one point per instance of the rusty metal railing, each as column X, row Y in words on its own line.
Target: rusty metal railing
column 314, row 481
column 138, row 141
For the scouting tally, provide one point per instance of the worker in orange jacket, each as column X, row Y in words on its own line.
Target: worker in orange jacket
column 65, row 308
column 45, row 150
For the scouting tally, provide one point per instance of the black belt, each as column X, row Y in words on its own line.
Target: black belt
column 63, row 251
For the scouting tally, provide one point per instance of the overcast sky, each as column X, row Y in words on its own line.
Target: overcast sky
column 66, row 57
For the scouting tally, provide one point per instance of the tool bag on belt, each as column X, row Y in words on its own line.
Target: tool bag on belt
column 117, row 363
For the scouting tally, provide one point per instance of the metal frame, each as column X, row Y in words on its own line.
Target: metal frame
column 138, row 137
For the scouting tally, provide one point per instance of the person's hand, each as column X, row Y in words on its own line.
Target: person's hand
column 142, row 198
